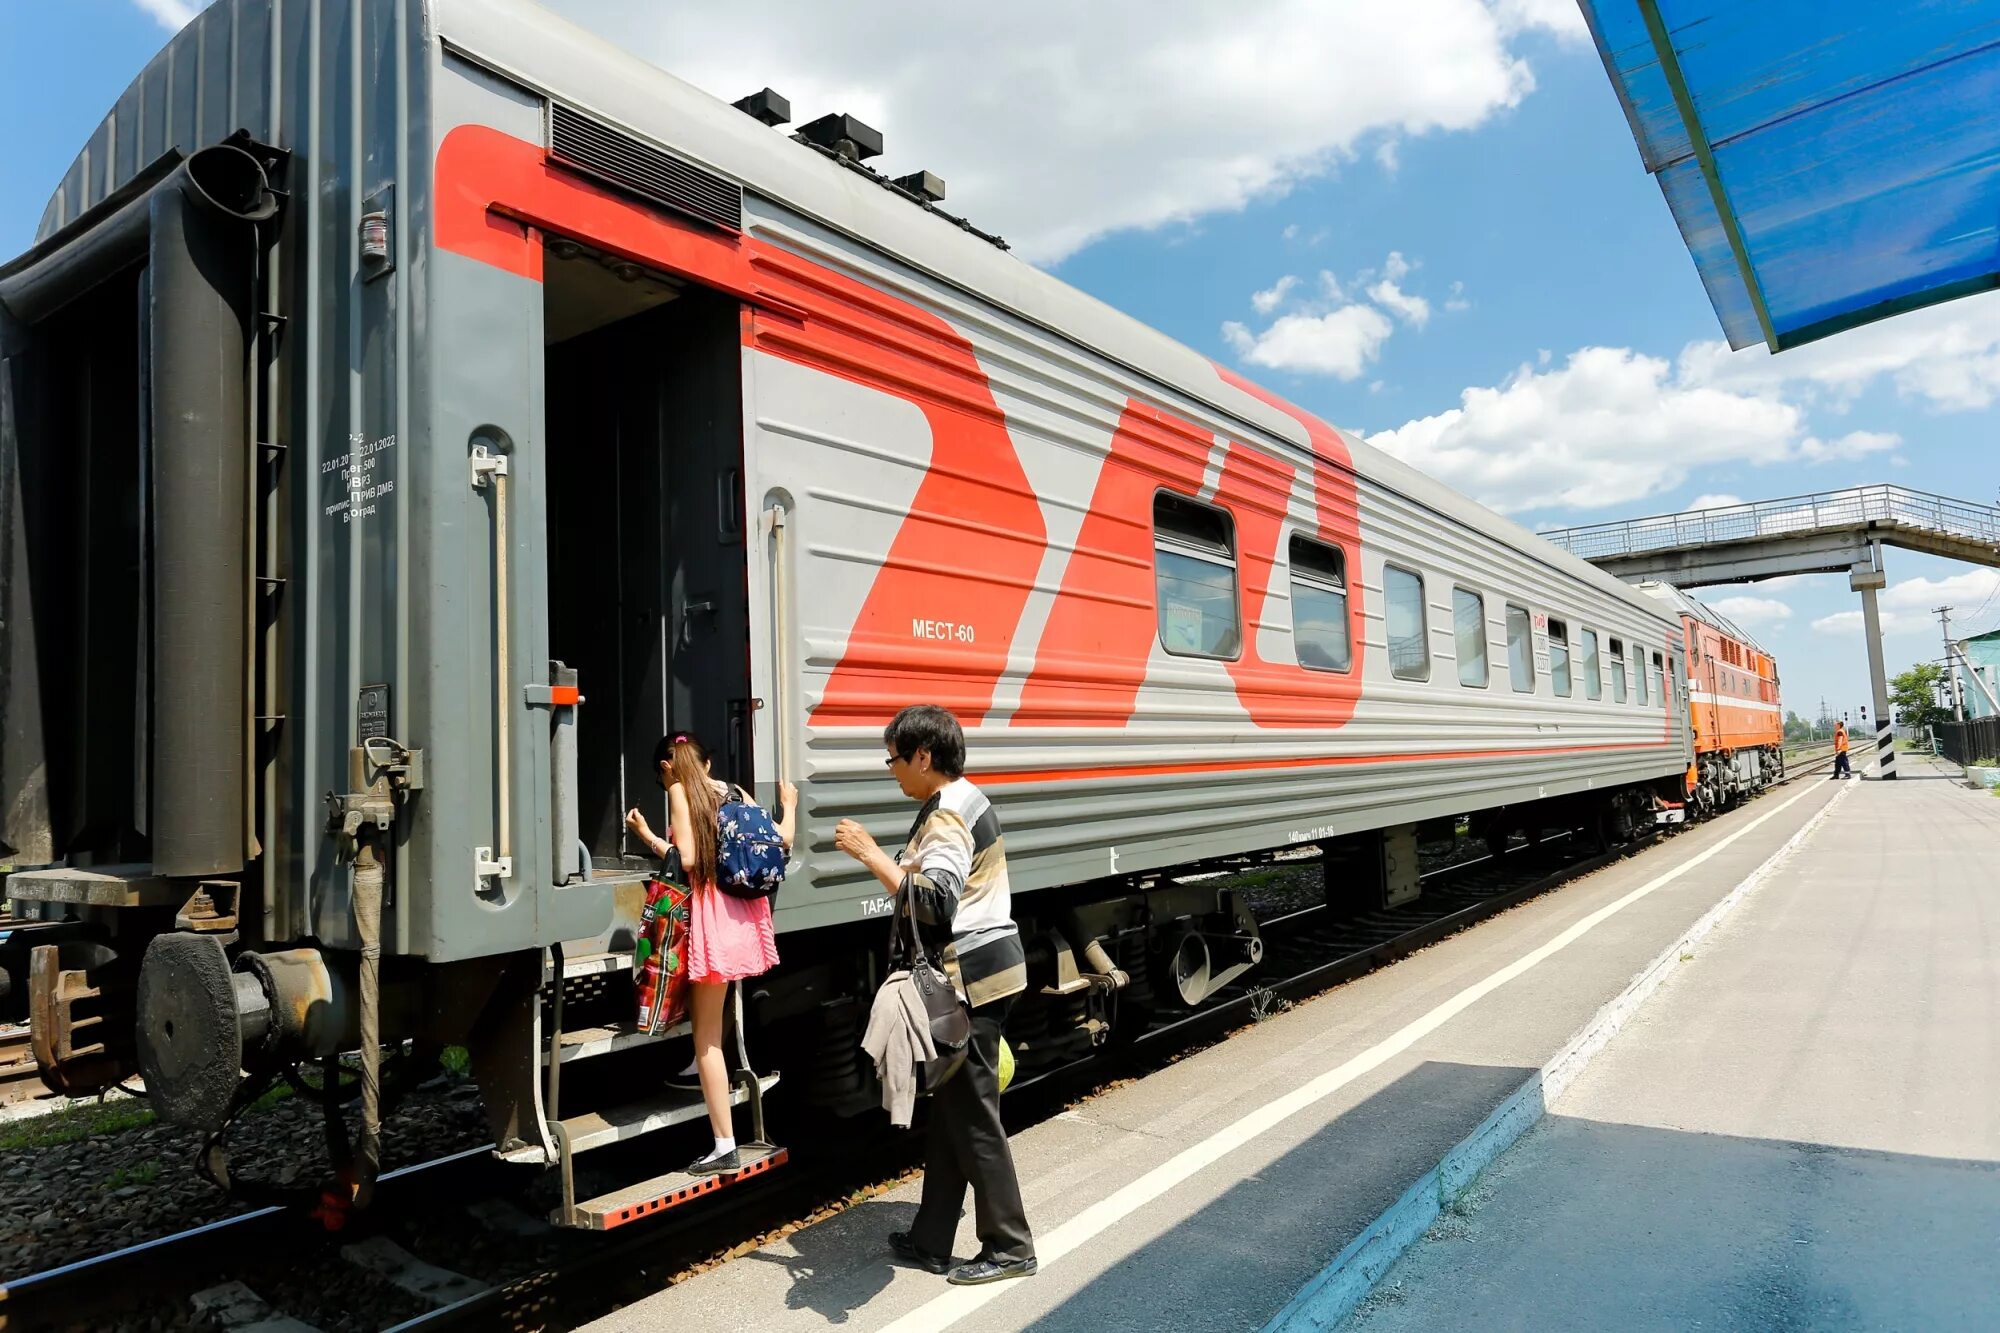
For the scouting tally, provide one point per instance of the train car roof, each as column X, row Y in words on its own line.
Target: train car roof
column 549, row 55
column 1671, row 596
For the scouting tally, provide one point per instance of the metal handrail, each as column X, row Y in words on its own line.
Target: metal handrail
column 1848, row 507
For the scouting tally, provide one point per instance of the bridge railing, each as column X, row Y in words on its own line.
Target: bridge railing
column 1851, row 507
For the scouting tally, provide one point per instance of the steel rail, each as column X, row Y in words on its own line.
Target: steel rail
column 73, row 1294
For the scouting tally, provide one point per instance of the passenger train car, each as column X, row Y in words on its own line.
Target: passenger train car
column 411, row 410
column 1738, row 725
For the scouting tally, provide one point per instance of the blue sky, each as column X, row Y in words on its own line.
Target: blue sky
column 1427, row 222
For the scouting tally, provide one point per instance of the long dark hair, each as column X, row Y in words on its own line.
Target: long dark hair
column 687, row 763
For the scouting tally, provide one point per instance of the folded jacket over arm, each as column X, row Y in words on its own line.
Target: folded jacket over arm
column 898, row 1039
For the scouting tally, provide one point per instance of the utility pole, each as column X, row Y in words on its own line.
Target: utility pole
column 1943, row 613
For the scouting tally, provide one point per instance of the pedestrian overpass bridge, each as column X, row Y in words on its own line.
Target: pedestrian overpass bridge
column 1803, row 534
column 1830, row 532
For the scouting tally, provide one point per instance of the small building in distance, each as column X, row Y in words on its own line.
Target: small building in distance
column 1981, row 653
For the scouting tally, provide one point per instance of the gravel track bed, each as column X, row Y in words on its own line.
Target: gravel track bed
column 116, row 1184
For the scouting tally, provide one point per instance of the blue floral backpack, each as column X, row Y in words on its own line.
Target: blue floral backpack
column 749, row 854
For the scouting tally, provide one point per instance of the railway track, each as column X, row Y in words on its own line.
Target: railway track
column 1309, row 950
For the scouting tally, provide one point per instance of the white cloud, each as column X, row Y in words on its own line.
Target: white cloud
column 1854, row 444
column 173, row 15
column 1564, row 18
column 1909, row 607
column 1341, row 343
column 1752, row 610
column 1274, row 296
column 1456, row 301
column 1058, row 123
column 1414, row 309
column 1962, row 591
column 1713, row 501
column 1329, row 334
column 1607, row 427
column 1842, row 622
column 1945, row 357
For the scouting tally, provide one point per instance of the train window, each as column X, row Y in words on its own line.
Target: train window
column 1639, row 676
column 1319, row 606
column 1660, row 679
column 1559, row 658
column 1521, row 649
column 1587, row 664
column 1194, row 564
column 1409, row 640
column 1617, row 671
column 1468, row 618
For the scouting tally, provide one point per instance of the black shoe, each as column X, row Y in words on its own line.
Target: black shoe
column 905, row 1248
column 981, row 1271
column 726, row 1165
column 685, row 1082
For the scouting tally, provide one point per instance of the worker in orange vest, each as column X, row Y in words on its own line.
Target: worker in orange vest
column 1841, row 769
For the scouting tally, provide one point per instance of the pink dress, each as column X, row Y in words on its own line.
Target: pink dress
column 728, row 938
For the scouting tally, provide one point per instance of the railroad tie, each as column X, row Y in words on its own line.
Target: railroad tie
column 507, row 1218
column 238, row 1309
column 427, row 1282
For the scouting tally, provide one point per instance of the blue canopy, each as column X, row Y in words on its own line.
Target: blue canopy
column 1830, row 162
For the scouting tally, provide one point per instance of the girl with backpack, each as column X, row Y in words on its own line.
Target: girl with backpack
column 733, row 854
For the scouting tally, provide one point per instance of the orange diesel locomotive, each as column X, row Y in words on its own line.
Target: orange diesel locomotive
column 1733, row 708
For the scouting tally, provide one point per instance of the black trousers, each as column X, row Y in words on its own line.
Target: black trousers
column 1840, row 768
column 967, row 1146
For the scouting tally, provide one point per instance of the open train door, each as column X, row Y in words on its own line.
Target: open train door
column 648, row 629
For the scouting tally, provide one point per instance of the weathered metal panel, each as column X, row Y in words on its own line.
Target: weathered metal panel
column 344, row 88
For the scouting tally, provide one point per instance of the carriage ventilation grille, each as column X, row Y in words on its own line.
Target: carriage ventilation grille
column 619, row 159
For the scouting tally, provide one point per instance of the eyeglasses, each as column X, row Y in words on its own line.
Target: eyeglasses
column 895, row 759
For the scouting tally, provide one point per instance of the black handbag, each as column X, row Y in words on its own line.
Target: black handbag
column 950, row 1019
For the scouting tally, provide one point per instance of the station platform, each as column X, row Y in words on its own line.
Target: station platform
column 1209, row 1193
column 1797, row 1131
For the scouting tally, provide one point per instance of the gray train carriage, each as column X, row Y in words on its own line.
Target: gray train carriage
column 413, row 410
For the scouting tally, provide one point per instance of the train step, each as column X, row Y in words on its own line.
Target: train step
column 615, row 1124
column 663, row 1192
column 588, row 1043
column 595, row 964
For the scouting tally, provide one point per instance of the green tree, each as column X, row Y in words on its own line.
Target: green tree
column 1914, row 694
column 1797, row 729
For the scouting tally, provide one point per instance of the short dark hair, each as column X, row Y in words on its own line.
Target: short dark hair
column 928, row 727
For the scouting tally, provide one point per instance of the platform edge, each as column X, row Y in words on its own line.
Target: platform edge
column 1338, row 1290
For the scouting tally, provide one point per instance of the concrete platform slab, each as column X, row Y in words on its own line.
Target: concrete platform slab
column 1798, row 1131
column 1203, row 1196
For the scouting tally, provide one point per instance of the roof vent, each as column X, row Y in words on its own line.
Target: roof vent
column 618, row 159
column 922, row 184
column 766, row 106
column 844, row 135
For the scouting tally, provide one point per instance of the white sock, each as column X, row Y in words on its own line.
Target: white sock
column 693, row 1070
column 723, row 1147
